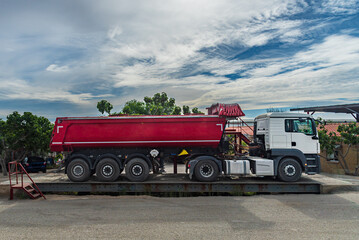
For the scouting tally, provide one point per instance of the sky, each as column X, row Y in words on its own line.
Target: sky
column 59, row 58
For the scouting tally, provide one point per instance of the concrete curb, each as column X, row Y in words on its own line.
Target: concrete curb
column 329, row 189
column 330, row 184
column 4, row 190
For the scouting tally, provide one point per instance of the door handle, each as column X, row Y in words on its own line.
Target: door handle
column 294, row 144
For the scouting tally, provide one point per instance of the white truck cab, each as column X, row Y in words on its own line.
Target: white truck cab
column 285, row 145
column 290, row 140
column 287, row 131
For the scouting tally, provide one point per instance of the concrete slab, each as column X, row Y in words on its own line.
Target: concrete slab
column 335, row 183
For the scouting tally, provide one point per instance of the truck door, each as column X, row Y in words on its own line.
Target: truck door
column 303, row 135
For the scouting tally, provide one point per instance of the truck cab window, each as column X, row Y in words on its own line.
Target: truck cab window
column 300, row 125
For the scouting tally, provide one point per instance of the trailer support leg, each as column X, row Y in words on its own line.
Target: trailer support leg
column 175, row 165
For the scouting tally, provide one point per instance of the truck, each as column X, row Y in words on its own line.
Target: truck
column 284, row 145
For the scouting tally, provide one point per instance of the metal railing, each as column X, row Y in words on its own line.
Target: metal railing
column 16, row 169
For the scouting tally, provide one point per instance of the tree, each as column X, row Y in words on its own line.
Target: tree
column 134, row 107
column 185, row 109
column 196, row 111
column 160, row 104
column 104, row 106
column 177, row 110
column 330, row 142
column 24, row 134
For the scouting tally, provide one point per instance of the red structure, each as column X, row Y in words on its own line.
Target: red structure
column 137, row 131
column 17, row 171
column 226, row 110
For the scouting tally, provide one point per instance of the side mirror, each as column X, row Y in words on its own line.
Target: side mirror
column 315, row 138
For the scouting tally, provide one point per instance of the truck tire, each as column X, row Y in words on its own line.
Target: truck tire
column 137, row 170
column 289, row 170
column 206, row 171
column 107, row 170
column 78, row 170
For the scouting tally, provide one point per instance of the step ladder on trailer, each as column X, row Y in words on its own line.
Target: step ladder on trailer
column 243, row 134
column 17, row 171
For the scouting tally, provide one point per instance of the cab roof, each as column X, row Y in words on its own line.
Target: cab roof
column 284, row 115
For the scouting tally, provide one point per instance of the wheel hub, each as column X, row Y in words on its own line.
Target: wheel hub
column 137, row 170
column 78, row 170
column 289, row 170
column 107, row 170
column 206, row 170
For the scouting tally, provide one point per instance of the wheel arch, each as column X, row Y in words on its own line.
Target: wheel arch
column 195, row 161
column 278, row 155
column 75, row 156
column 108, row 155
column 139, row 155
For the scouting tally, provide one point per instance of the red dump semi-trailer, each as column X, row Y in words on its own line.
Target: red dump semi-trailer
column 105, row 146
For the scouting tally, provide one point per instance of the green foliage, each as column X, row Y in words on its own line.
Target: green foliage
column 134, row 107
column 104, row 106
column 160, row 104
column 25, row 133
column 58, row 157
column 186, row 109
column 330, row 142
column 196, row 111
column 177, row 110
column 349, row 133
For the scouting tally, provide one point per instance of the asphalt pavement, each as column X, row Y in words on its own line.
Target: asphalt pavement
column 294, row 216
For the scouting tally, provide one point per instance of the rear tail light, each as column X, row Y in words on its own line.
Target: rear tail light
column 27, row 164
column 44, row 163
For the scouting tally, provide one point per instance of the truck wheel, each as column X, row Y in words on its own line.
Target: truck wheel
column 289, row 170
column 137, row 170
column 107, row 170
column 206, row 171
column 78, row 170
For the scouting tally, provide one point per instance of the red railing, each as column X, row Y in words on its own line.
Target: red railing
column 242, row 132
column 241, row 127
column 16, row 169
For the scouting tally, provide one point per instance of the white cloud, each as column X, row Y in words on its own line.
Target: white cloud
column 171, row 38
column 20, row 89
column 339, row 6
column 324, row 72
column 159, row 46
column 56, row 68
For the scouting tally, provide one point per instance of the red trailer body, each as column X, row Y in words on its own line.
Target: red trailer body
column 137, row 131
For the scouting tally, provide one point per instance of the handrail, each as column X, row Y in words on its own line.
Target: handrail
column 240, row 125
column 22, row 176
column 246, row 124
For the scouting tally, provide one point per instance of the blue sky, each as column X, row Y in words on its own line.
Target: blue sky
column 59, row 58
